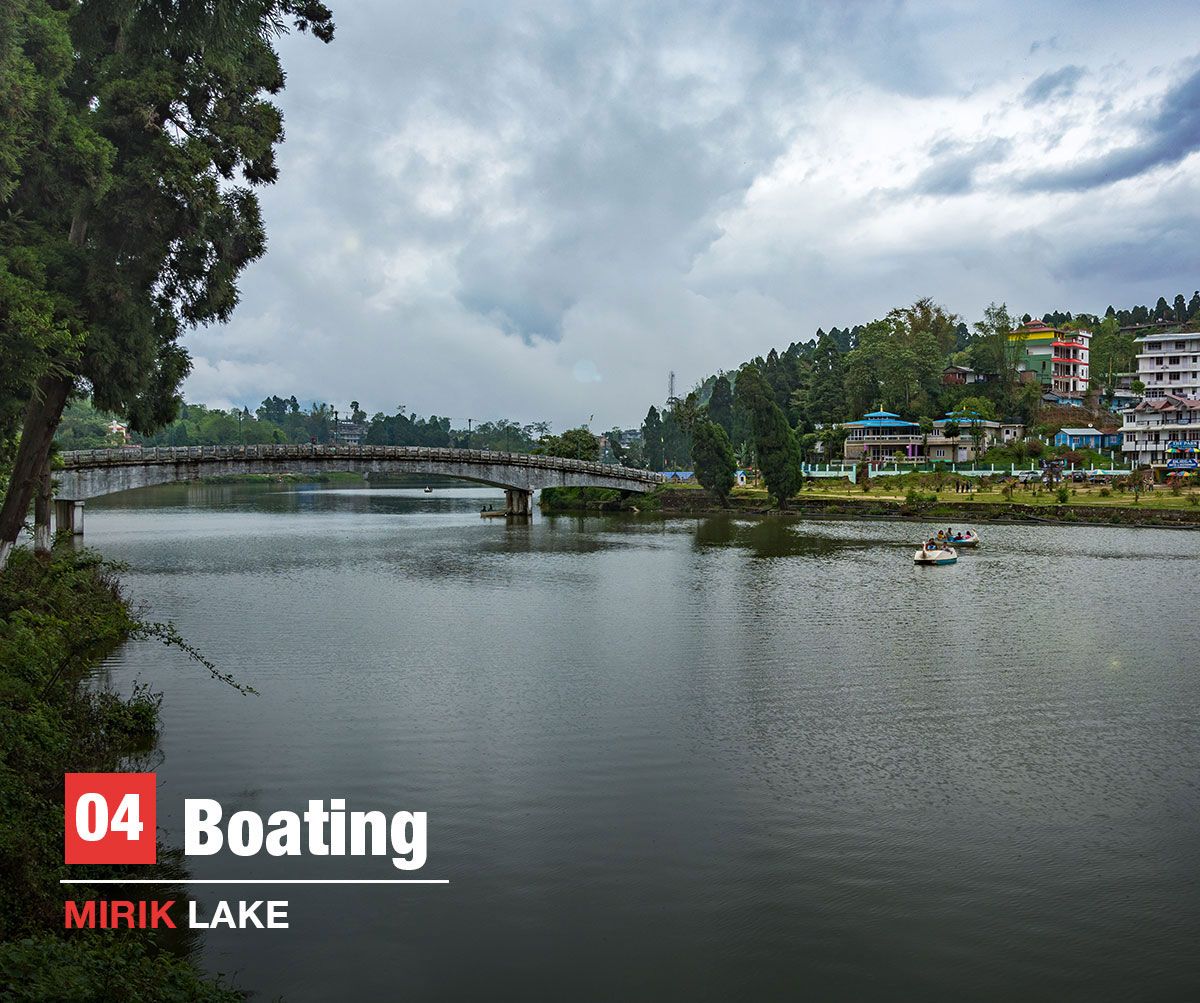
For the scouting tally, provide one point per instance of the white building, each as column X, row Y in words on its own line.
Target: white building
column 1161, row 428
column 1166, row 425
column 1169, row 363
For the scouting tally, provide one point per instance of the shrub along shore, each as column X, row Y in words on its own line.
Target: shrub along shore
column 1066, row 505
column 1088, row 507
column 58, row 618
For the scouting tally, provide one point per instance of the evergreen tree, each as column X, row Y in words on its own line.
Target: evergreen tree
column 125, row 211
column 1162, row 311
column 1193, row 308
column 652, row 440
column 774, row 441
column 827, row 391
column 720, row 403
column 712, row 459
column 1180, row 308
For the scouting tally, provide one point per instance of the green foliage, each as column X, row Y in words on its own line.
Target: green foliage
column 95, row 967
column 574, row 444
column 713, row 460
column 914, row 498
column 584, row 500
column 652, row 440
column 57, row 617
column 896, row 366
column 826, row 399
column 1063, row 494
column 774, row 441
column 720, row 403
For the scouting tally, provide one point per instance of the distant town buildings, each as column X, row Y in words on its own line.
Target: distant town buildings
column 1169, row 363
column 1164, row 429
column 347, row 433
column 1058, row 359
column 962, row 375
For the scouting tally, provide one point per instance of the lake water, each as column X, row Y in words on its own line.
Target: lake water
column 716, row 759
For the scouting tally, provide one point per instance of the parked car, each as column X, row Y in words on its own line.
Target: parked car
column 1029, row 476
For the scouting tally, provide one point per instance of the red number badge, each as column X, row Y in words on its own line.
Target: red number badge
column 110, row 818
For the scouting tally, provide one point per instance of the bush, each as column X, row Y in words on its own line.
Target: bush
column 1104, row 492
column 1063, row 494
column 57, row 618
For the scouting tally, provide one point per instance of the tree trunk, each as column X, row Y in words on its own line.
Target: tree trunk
column 37, row 433
column 41, row 514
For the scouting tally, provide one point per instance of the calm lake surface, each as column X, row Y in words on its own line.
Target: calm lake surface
column 718, row 759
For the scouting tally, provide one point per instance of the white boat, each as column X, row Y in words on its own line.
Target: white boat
column 428, row 490
column 939, row 554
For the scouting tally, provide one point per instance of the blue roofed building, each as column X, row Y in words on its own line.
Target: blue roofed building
column 1087, row 438
column 884, row 437
column 877, row 438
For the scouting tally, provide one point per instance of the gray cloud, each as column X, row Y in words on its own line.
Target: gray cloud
column 1053, row 84
column 1170, row 134
column 954, row 165
column 536, row 209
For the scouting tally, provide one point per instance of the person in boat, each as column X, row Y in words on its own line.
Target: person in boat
column 932, row 544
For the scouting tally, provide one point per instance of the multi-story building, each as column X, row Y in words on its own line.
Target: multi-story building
column 881, row 437
column 1169, row 363
column 1164, row 429
column 1057, row 359
column 1160, row 429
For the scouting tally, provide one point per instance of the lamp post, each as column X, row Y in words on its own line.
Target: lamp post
column 469, row 422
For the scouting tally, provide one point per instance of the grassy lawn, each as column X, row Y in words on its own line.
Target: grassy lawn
column 881, row 490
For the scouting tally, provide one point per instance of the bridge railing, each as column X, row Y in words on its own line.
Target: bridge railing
column 80, row 459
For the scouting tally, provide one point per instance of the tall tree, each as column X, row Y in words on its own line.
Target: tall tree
column 712, row 459
column 720, row 403
column 129, row 222
column 826, row 397
column 1193, row 308
column 1180, row 308
column 652, row 440
column 774, row 441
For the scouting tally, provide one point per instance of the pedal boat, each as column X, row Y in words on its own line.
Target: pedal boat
column 941, row 554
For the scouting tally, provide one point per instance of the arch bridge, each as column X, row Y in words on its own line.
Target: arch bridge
column 92, row 473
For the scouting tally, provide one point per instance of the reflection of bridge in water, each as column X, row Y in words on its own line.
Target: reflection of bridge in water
column 92, row 473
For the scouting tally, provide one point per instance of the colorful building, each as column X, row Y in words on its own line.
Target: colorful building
column 1057, row 359
column 884, row 437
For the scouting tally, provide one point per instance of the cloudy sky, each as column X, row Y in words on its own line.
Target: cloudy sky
column 535, row 210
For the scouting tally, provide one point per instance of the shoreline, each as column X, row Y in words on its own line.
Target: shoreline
column 698, row 503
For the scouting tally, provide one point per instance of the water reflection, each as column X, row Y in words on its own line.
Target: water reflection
column 712, row 759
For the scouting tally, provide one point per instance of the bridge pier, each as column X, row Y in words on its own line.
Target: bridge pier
column 68, row 516
column 518, row 502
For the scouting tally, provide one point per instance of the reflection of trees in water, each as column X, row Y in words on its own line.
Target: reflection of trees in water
column 769, row 537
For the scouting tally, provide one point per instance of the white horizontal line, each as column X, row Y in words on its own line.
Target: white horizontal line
column 254, row 881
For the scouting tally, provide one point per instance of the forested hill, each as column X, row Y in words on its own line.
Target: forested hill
column 897, row 363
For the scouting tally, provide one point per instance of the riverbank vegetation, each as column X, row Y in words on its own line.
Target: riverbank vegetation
column 58, row 617
column 1123, row 501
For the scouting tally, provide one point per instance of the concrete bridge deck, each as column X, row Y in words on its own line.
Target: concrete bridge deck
column 92, row 473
